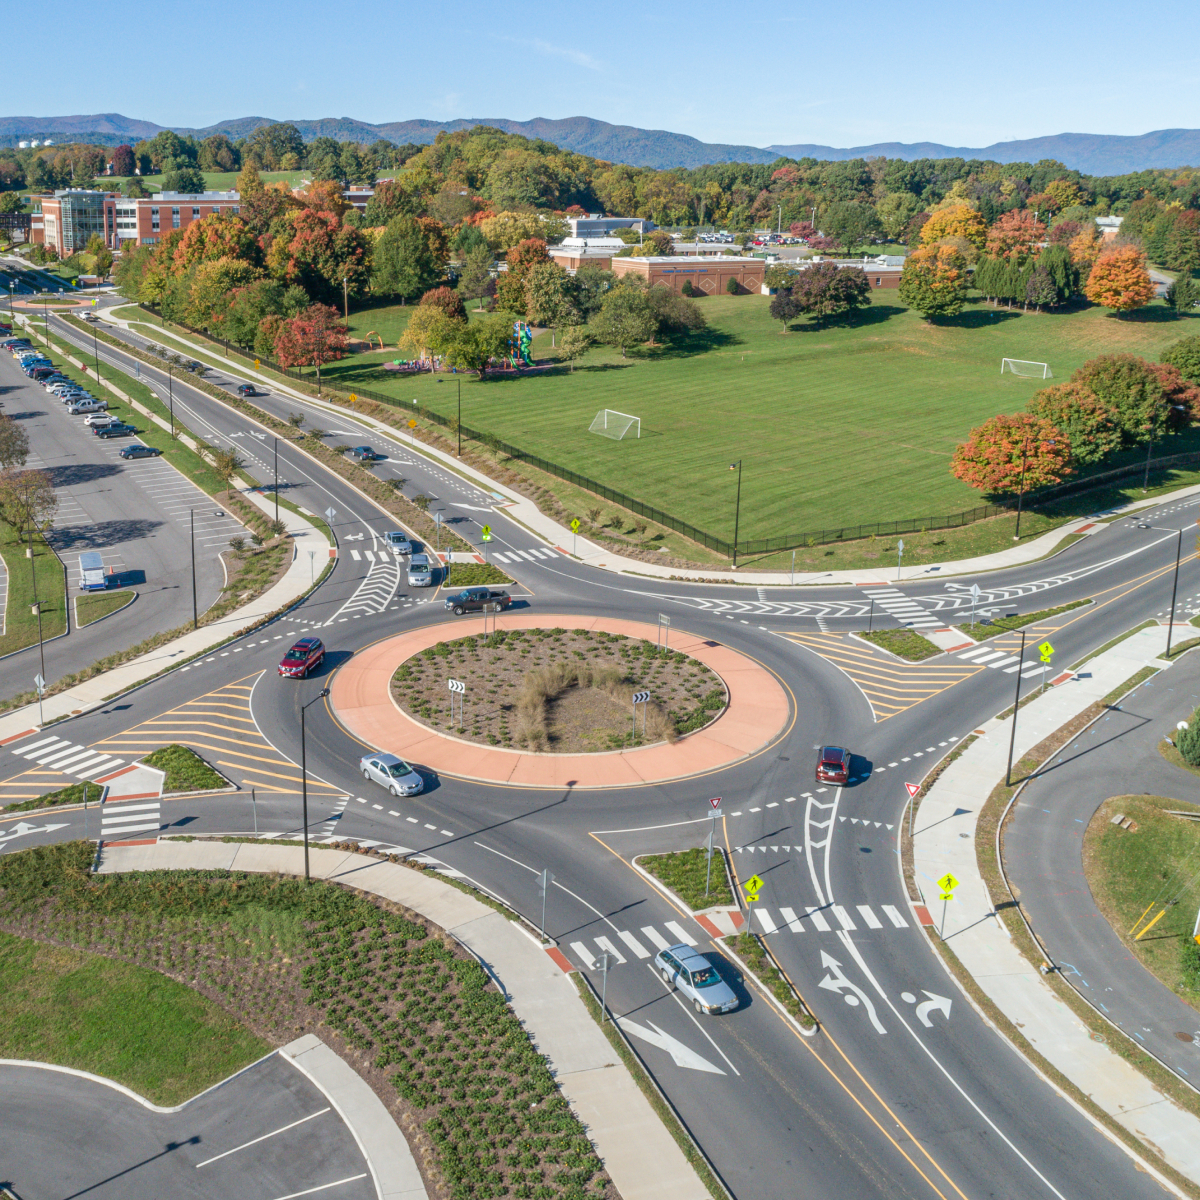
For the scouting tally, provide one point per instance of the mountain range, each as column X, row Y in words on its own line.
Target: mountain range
column 1092, row 153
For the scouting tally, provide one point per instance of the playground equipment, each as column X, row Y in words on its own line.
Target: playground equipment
column 521, row 340
column 374, row 334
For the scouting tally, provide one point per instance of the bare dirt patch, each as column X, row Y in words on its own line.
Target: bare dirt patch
column 566, row 691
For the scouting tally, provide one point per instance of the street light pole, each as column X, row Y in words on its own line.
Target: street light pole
column 171, row 394
column 1012, row 741
column 195, row 615
column 345, row 299
column 1021, row 493
column 277, row 479
column 96, row 352
column 304, row 775
column 1174, row 586
column 460, row 418
column 737, row 512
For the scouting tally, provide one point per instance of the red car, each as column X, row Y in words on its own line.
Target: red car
column 307, row 653
column 834, row 765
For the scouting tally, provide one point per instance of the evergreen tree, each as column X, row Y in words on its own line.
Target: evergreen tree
column 1040, row 289
column 1183, row 294
column 1056, row 261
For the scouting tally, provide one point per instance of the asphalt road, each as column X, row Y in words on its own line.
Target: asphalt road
column 1043, row 848
column 894, row 1097
column 265, row 1134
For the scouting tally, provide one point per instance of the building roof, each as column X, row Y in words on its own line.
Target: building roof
column 202, row 197
column 660, row 260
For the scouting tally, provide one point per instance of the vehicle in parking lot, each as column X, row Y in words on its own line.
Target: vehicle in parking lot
column 365, row 454
column 137, row 450
column 247, row 389
column 101, row 418
column 307, row 653
column 117, row 429
column 392, row 773
column 473, row 599
column 92, row 576
column 71, row 394
column 40, row 372
column 397, row 542
column 420, row 571
column 87, row 404
column 833, row 766
column 686, row 969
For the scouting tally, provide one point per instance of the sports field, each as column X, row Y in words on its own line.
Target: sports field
column 836, row 426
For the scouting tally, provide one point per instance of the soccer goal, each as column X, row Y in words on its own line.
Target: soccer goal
column 1031, row 370
column 616, row 425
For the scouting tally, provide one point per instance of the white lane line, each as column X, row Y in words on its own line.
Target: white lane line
column 678, row 930
column 633, row 944
column 264, row 1137
column 323, row 1187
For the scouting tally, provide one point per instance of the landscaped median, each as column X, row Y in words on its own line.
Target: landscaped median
column 20, row 617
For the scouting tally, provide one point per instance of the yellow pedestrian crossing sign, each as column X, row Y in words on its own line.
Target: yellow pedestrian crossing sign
column 1046, row 651
column 575, row 525
column 752, row 887
column 486, row 533
column 947, row 882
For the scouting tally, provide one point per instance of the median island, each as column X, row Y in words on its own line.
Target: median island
column 566, row 691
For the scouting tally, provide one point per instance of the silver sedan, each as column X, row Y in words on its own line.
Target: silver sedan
column 392, row 773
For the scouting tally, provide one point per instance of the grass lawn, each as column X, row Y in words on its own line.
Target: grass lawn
column 850, row 423
column 684, row 872
column 186, row 770
column 125, row 1022
column 1133, row 872
column 903, row 643
column 981, row 632
column 72, row 794
column 20, row 623
column 472, row 574
column 95, row 605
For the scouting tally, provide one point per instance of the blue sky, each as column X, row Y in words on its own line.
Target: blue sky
column 840, row 74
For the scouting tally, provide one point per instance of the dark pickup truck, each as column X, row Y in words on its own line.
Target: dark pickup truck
column 473, row 599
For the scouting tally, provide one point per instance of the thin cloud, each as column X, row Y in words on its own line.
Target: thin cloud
column 578, row 57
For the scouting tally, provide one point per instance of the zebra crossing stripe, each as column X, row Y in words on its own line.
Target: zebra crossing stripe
column 793, row 921
column 869, row 918
column 675, row 928
column 585, row 955
column 655, row 938
column 501, row 557
column 633, row 944
column 609, row 948
column 818, row 919
column 25, row 751
column 894, row 916
column 843, row 918
column 765, row 920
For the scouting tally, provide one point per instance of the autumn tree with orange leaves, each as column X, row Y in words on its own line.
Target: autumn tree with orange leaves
column 959, row 221
column 934, row 282
column 992, row 457
column 1015, row 236
column 1120, row 281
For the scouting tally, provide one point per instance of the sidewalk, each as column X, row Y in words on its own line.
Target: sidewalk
column 524, row 510
column 945, row 841
column 636, row 1149
column 94, row 692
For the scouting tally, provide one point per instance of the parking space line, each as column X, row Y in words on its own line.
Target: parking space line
column 264, row 1137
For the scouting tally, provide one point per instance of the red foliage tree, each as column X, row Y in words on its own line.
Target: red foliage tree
column 122, row 161
column 991, row 458
column 448, row 300
column 1178, row 392
column 1015, row 235
column 311, row 338
column 322, row 251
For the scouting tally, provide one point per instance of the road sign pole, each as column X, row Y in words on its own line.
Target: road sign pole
column 899, row 556
column 546, row 880
column 603, row 962
column 254, row 806
column 1012, row 741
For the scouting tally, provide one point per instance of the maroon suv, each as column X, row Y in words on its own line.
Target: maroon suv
column 307, row 653
column 834, row 765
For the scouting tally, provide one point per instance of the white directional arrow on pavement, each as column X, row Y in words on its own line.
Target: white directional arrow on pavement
column 934, row 1003
column 835, row 981
column 682, row 1055
column 21, row 829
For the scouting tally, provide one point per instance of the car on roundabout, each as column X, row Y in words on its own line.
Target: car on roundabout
column 473, row 599
column 685, row 969
column 833, row 765
column 307, row 653
column 392, row 772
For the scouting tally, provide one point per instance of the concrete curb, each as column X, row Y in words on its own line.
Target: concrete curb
column 641, row 1157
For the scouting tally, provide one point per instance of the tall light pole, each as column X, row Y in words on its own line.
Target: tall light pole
column 1174, row 586
column 460, row 418
column 737, row 511
column 1012, row 741
column 195, row 615
column 96, row 352
column 304, row 775
column 345, row 299
column 37, row 607
column 277, row 479
column 171, row 394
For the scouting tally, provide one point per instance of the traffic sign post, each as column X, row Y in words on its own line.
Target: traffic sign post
column 486, row 536
column 574, row 535
column 752, row 887
column 1047, row 652
column 412, row 431
column 714, row 811
column 664, row 629
column 459, row 689
column 544, row 881
column 899, row 556
column 912, row 789
column 641, row 698
column 40, row 684
column 437, row 520
column 974, row 601
column 947, row 883
column 602, row 965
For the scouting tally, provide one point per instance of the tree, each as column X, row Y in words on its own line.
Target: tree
column 1185, row 355
column 895, row 211
column 212, row 288
column 1040, row 289
column 992, row 457
column 1057, row 262
column 320, row 253
column 475, row 345
column 249, row 305
column 573, row 344
column 825, row 289
column 403, row 265
column 592, row 284
column 934, row 282
column 27, row 499
column 11, row 202
column 226, row 463
column 1015, row 235
column 780, row 276
column 673, row 313
column 448, row 300
column 1088, row 423
column 625, row 319
column 1183, row 294
column 312, row 338
column 507, row 229
column 135, row 189
column 550, row 297
column 14, row 444
column 122, row 161
column 959, row 220
column 911, row 236
column 477, row 272
column 429, row 330
column 1120, row 281
column 1129, row 385
column 185, row 179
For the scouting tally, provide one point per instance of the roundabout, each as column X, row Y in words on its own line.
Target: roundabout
column 758, row 713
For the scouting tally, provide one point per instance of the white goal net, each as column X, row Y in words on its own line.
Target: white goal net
column 616, row 425
column 1031, row 370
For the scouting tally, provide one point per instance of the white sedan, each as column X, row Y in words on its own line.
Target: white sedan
column 392, row 773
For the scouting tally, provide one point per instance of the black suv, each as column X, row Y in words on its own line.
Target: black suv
column 246, row 389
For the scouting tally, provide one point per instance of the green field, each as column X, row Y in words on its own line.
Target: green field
column 850, row 423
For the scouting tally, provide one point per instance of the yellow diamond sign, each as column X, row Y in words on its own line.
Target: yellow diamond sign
column 1045, row 650
column 947, row 882
column 752, row 887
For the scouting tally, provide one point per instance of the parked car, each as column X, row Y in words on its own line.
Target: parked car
column 365, row 454
column 88, row 405
column 117, row 429
column 248, row 389
column 137, row 450
column 392, row 773
column 53, row 380
column 101, row 418
column 686, row 969
column 420, row 571
column 307, row 653
column 833, row 766
column 473, row 599
column 397, row 542
column 40, row 372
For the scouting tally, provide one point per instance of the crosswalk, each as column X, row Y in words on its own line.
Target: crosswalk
column 631, row 945
column 987, row 655
column 371, row 556
column 375, row 592
column 508, row 557
column 829, row 918
column 908, row 612
column 70, row 758
column 119, row 821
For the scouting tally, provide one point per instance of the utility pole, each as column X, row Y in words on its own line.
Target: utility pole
column 304, row 775
column 737, row 512
column 544, row 881
column 345, row 299
column 195, row 614
column 1012, row 741
column 277, row 479
column 460, row 418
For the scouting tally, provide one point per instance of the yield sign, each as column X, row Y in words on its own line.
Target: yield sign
column 715, row 802
column 913, row 788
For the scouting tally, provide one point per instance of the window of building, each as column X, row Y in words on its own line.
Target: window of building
column 878, row 282
column 195, row 214
column 235, row 210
